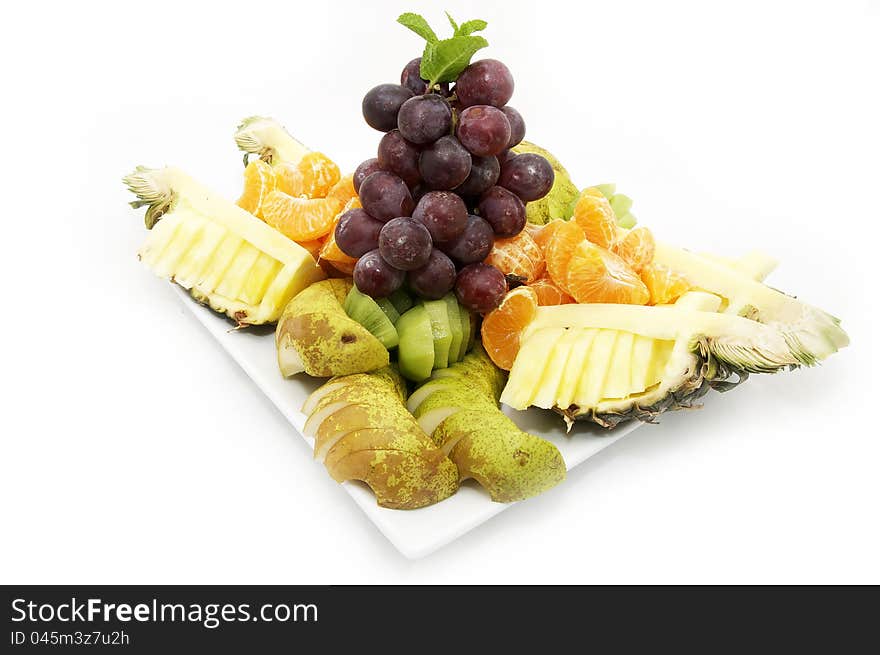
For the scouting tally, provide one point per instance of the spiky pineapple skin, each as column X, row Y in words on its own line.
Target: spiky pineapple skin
column 226, row 258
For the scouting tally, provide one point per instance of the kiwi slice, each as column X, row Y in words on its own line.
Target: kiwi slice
column 473, row 329
column 363, row 309
column 401, row 301
column 467, row 331
column 390, row 310
column 440, row 330
column 456, row 349
column 415, row 353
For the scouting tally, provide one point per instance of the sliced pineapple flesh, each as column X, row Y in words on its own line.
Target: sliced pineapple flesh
column 223, row 255
column 599, row 367
column 561, row 367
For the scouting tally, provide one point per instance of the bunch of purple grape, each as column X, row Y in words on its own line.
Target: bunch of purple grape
column 443, row 186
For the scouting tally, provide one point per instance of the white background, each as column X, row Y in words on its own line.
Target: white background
column 135, row 451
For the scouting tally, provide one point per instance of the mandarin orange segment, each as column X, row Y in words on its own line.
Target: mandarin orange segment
column 259, row 180
column 502, row 327
column 598, row 275
column 664, row 284
column 594, row 214
column 332, row 253
column 549, row 294
column 519, row 256
column 312, row 176
column 343, row 190
column 314, row 247
column 544, row 233
column 300, row 219
column 566, row 238
column 636, row 248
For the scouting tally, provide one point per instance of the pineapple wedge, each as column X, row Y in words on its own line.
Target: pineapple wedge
column 629, row 361
column 812, row 333
column 267, row 138
column 226, row 258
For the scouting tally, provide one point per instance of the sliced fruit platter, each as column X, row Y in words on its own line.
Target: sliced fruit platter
column 458, row 276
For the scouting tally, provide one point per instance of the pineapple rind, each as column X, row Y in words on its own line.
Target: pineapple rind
column 683, row 351
column 229, row 259
column 810, row 332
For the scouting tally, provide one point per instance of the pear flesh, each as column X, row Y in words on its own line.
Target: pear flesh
column 459, row 409
column 364, row 432
column 315, row 335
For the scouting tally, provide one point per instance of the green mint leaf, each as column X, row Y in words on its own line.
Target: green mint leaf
column 470, row 27
column 444, row 60
column 418, row 25
column 453, row 23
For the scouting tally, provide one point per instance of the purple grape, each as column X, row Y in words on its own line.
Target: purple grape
column 385, row 196
column 364, row 169
column 517, row 125
column 483, row 130
column 381, row 104
column 400, row 157
column 376, row 277
column 405, row 243
column 474, row 243
column 484, row 82
column 528, row 175
column 418, row 192
column 480, row 287
column 443, row 213
column 484, row 174
column 412, row 79
column 445, row 164
column 503, row 157
column 357, row 233
column 505, row 212
column 435, row 279
column 424, row 119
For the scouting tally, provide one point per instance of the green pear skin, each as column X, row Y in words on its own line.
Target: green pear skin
column 315, row 335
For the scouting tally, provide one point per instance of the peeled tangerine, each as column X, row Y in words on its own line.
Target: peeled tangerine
column 363, row 431
column 502, row 326
column 593, row 213
column 598, row 275
column 519, row 256
column 226, row 257
column 315, row 335
column 458, row 408
column 294, row 190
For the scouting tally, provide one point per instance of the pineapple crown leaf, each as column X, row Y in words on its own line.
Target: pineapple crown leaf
column 152, row 192
column 247, row 135
column 444, row 60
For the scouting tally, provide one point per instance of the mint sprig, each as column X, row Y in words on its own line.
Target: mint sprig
column 444, row 60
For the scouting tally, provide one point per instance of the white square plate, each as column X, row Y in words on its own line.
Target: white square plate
column 415, row 533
